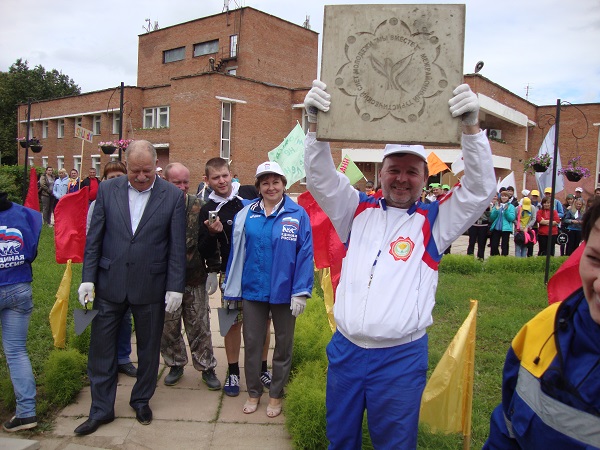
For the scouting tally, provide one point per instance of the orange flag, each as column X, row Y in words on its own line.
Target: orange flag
column 58, row 315
column 32, row 200
column 435, row 164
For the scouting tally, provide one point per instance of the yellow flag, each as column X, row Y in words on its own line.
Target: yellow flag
column 435, row 164
column 58, row 315
column 328, row 295
column 447, row 400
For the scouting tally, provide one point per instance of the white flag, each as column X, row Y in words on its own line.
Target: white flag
column 544, row 179
column 506, row 182
column 458, row 165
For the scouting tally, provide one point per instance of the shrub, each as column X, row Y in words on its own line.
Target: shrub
column 312, row 334
column 305, row 406
column 64, row 374
column 463, row 264
column 536, row 265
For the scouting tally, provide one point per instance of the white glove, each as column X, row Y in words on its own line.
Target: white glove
column 212, row 283
column 173, row 301
column 86, row 289
column 466, row 104
column 297, row 306
column 316, row 100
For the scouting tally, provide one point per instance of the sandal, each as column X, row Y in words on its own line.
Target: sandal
column 250, row 407
column 273, row 411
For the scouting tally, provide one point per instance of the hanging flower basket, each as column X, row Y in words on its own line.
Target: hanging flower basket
column 573, row 176
column 108, row 149
column 23, row 144
column 538, row 163
column 539, row 167
column 36, row 148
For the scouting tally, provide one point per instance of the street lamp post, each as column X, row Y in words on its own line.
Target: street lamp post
column 25, row 178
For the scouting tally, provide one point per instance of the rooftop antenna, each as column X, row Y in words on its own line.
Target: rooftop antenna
column 527, row 89
column 306, row 23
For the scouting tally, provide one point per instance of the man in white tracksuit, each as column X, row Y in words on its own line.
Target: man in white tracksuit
column 378, row 355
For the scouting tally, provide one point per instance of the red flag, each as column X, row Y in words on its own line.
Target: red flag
column 70, row 216
column 329, row 251
column 566, row 280
column 32, row 200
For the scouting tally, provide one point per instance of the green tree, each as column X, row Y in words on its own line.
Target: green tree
column 18, row 85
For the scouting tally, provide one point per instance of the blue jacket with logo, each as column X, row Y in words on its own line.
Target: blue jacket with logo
column 271, row 258
column 551, row 382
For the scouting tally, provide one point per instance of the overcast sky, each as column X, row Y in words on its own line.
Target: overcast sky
column 549, row 45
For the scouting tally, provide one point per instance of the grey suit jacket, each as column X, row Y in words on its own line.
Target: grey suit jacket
column 142, row 266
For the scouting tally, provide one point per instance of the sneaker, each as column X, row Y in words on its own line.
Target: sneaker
column 174, row 376
column 265, row 379
column 232, row 386
column 210, row 379
column 22, row 423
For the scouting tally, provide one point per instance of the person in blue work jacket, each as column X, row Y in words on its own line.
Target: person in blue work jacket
column 270, row 268
column 551, row 379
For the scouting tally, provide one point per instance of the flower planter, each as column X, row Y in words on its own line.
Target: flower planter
column 108, row 149
column 23, row 144
column 36, row 148
column 572, row 176
column 539, row 167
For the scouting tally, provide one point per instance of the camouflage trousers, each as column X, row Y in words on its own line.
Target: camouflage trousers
column 195, row 312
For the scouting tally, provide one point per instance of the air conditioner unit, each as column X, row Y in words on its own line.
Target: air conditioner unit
column 496, row 134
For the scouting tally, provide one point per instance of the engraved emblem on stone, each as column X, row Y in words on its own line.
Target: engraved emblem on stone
column 393, row 70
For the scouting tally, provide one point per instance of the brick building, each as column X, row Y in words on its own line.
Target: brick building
column 232, row 85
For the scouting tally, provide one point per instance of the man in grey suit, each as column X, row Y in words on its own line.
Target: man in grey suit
column 134, row 257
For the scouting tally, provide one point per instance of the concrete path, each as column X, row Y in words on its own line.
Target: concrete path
column 187, row 415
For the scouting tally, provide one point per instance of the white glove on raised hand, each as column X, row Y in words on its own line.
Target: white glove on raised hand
column 86, row 289
column 466, row 104
column 172, row 301
column 212, row 283
column 316, row 100
column 297, row 306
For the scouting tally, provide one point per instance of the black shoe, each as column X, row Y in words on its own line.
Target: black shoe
column 90, row 426
column 143, row 414
column 128, row 369
column 20, row 423
column 174, row 376
column 211, row 380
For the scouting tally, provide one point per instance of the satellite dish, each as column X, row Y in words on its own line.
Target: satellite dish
column 478, row 66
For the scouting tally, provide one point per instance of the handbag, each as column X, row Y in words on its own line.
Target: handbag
column 519, row 237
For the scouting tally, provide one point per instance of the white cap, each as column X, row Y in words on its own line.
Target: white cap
column 525, row 192
column 159, row 169
column 393, row 149
column 578, row 189
column 269, row 167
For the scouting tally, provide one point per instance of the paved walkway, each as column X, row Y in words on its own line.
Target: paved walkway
column 187, row 415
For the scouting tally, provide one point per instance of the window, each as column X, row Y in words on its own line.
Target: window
column 233, row 41
column 226, row 131
column 96, row 164
column 114, row 157
column 31, row 164
column 96, row 124
column 175, row 54
column 78, row 122
column 77, row 164
column 157, row 117
column 44, row 129
column 44, row 161
column 232, row 71
column 116, row 121
column 60, row 162
column 206, row 48
column 30, row 131
column 61, row 128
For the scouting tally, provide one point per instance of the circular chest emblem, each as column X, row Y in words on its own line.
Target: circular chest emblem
column 401, row 248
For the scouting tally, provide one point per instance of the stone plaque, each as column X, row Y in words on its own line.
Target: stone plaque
column 390, row 70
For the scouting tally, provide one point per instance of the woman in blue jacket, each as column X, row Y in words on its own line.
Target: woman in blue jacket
column 270, row 268
column 502, row 217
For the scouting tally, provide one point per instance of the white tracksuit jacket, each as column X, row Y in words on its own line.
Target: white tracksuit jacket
column 389, row 275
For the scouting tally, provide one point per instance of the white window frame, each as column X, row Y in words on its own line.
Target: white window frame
column 97, row 124
column 77, row 164
column 44, row 129
column 31, row 162
column 114, row 157
column 226, row 124
column 44, row 162
column 60, row 163
column 78, row 122
column 156, row 117
column 30, row 131
column 60, row 128
column 115, row 123
column 233, row 45
column 96, row 164
column 232, row 71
